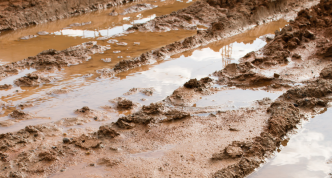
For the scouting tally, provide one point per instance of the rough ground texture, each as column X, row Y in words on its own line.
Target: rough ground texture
column 23, row 13
column 223, row 21
column 48, row 61
column 225, row 144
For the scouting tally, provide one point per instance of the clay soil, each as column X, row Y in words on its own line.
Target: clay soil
column 171, row 138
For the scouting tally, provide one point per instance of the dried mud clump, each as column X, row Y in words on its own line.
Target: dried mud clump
column 129, row 122
column 132, row 63
column 125, row 104
column 148, row 114
column 301, row 31
column 21, row 115
column 284, row 117
column 87, row 142
column 242, row 169
column 48, row 156
column 107, row 131
column 50, row 60
column 229, row 152
column 26, row 13
column 6, row 87
column 174, row 115
column 326, row 73
column 32, row 80
column 244, row 74
column 84, row 109
column 198, row 85
column 153, row 108
column 222, row 22
column 151, row 114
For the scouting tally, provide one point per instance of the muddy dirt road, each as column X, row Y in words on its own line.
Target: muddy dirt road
column 205, row 88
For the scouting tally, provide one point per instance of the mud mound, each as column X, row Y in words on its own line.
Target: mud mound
column 301, row 31
column 198, row 85
column 131, row 63
column 125, row 104
column 107, row 131
column 50, row 60
column 153, row 113
column 285, row 115
column 84, row 109
column 33, row 80
column 153, row 108
column 14, row 15
column 122, row 103
column 6, row 87
column 245, row 74
column 222, row 22
column 173, row 115
column 21, row 115
column 326, row 73
column 87, row 142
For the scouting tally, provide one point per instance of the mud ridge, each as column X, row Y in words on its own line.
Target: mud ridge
column 49, row 61
column 20, row 14
column 42, row 150
column 223, row 22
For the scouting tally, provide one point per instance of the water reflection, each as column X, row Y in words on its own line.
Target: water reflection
column 306, row 155
column 104, row 32
column 164, row 76
column 64, row 33
column 234, row 99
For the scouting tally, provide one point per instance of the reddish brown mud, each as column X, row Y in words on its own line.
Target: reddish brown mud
column 23, row 13
column 222, row 23
column 171, row 137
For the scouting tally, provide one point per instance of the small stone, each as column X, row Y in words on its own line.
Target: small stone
column 276, row 75
column 92, row 164
column 65, row 140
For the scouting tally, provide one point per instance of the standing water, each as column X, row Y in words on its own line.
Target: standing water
column 164, row 76
column 308, row 153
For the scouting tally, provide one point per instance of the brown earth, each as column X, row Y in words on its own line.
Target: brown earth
column 224, row 144
column 231, row 19
column 24, row 13
column 50, row 61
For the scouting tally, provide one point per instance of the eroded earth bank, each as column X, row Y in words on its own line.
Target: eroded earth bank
column 191, row 130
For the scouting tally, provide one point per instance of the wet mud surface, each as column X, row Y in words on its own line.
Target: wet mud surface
column 181, row 110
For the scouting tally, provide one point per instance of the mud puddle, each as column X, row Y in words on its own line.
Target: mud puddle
column 308, row 153
column 235, row 99
column 64, row 33
column 164, row 77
